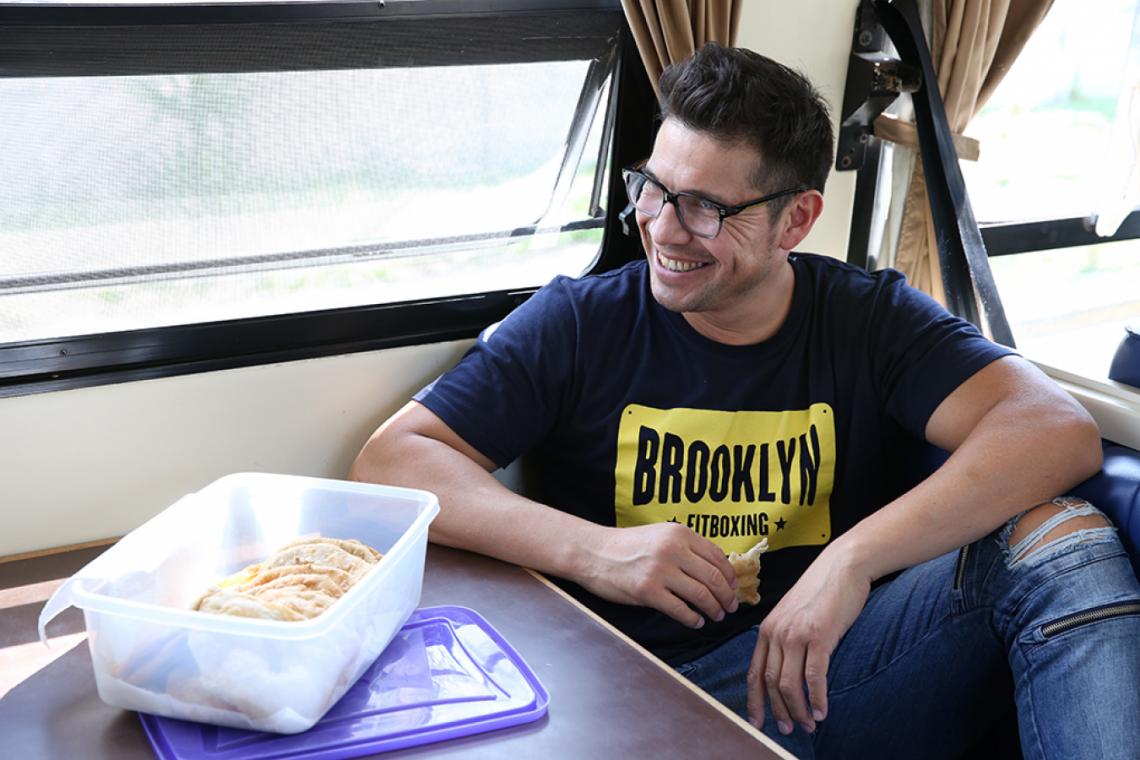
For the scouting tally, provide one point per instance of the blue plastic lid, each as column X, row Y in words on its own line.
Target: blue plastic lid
column 446, row 674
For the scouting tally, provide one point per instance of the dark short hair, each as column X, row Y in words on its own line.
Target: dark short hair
column 736, row 95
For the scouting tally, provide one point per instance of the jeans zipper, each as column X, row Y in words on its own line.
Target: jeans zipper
column 960, row 570
column 1069, row 622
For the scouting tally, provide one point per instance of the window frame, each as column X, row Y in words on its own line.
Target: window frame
column 1038, row 236
column 96, row 40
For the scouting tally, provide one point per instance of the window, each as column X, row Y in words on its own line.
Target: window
column 180, row 166
column 141, row 201
column 1054, row 144
column 1068, row 306
column 137, row 201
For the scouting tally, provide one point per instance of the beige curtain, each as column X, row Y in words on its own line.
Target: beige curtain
column 668, row 31
column 973, row 44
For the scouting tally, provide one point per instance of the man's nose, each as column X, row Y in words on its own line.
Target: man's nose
column 667, row 227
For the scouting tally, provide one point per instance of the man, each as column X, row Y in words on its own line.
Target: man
column 723, row 391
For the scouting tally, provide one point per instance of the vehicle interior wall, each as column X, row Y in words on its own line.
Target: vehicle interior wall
column 813, row 37
column 94, row 463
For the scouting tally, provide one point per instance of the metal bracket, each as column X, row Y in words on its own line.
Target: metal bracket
column 874, row 80
column 628, row 226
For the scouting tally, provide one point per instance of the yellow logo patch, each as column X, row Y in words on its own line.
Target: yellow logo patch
column 733, row 477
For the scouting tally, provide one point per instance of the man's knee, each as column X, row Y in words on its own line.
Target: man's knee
column 1053, row 525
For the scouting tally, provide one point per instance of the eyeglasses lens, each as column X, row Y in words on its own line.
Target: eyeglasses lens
column 698, row 218
column 643, row 194
column 648, row 197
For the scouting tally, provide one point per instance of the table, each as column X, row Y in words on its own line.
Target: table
column 608, row 697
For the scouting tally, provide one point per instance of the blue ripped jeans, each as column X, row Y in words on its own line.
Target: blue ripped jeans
column 937, row 652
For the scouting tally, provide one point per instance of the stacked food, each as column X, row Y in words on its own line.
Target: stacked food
column 747, row 569
column 297, row 582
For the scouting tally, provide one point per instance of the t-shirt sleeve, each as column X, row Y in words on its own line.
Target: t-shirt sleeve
column 506, row 392
column 921, row 352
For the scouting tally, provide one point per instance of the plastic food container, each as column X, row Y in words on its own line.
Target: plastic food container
column 154, row 654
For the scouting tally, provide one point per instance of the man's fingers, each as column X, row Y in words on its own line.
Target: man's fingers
column 772, row 669
column 778, row 674
column 815, row 673
column 711, row 593
column 791, row 685
column 755, row 682
column 722, row 577
column 667, row 600
column 714, row 555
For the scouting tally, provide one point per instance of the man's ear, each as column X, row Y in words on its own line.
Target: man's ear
column 799, row 217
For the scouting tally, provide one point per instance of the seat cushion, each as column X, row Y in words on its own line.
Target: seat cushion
column 1126, row 362
column 1116, row 491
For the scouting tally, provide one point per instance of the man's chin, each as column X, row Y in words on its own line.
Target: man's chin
column 670, row 299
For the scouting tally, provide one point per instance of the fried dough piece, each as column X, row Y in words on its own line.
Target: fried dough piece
column 244, row 575
column 293, row 592
column 331, row 579
column 307, row 602
column 227, row 602
column 747, row 568
column 299, row 581
column 323, row 553
column 351, row 545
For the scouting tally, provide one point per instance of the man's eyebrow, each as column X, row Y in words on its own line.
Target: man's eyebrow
column 704, row 196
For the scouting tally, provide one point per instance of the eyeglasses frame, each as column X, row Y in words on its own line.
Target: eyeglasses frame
column 723, row 211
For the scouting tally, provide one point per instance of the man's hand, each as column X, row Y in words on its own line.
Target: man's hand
column 798, row 637
column 665, row 566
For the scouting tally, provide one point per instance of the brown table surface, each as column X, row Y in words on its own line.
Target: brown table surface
column 608, row 698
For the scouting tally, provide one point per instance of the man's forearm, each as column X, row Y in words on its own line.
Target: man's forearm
column 1016, row 457
column 477, row 512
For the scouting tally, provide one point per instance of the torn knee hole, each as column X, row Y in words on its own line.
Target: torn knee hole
column 1073, row 525
column 1050, row 522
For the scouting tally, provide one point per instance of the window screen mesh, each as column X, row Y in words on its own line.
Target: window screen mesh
column 135, row 200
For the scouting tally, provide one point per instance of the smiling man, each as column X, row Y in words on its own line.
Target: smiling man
column 732, row 282
column 725, row 391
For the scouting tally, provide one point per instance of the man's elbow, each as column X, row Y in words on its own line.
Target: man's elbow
column 1084, row 449
column 358, row 469
column 368, row 465
column 1094, row 451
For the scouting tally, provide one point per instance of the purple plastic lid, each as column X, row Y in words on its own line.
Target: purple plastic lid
column 446, row 674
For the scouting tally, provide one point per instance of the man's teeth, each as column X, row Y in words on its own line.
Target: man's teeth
column 676, row 265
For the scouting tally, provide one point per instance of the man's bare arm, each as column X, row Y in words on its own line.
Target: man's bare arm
column 1017, row 440
column 664, row 566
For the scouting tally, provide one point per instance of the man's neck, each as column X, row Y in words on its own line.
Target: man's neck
column 754, row 318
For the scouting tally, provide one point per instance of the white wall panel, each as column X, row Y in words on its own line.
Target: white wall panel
column 97, row 462
column 813, row 37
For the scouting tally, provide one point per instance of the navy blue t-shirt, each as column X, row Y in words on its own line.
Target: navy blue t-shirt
column 630, row 416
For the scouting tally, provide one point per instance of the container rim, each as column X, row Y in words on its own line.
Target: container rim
column 89, row 599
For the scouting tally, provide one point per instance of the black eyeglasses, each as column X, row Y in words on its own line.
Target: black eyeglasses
column 698, row 215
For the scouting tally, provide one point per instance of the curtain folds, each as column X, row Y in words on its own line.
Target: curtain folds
column 671, row 30
column 973, row 43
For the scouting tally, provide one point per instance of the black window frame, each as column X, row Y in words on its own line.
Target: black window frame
column 55, row 40
column 1036, row 236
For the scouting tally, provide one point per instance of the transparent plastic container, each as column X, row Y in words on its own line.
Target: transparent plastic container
column 152, row 653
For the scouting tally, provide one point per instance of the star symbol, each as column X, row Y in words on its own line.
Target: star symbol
column 781, row 523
